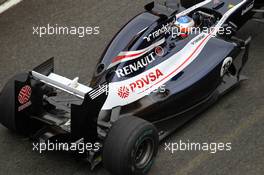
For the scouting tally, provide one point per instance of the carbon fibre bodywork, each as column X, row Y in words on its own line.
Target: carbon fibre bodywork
column 191, row 90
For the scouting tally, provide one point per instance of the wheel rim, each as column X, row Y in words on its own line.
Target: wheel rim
column 144, row 153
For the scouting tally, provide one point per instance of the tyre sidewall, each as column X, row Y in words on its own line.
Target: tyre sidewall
column 131, row 148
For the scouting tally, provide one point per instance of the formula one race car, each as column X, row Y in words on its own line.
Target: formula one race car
column 155, row 75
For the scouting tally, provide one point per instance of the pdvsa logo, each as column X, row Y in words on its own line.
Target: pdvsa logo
column 146, row 80
column 123, row 92
column 141, row 84
column 24, row 94
column 24, row 97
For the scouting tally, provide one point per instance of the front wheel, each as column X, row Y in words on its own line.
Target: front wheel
column 130, row 147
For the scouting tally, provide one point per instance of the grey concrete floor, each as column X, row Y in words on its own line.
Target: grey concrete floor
column 237, row 118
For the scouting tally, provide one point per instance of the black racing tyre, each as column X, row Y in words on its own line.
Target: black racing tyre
column 7, row 106
column 130, row 147
column 10, row 117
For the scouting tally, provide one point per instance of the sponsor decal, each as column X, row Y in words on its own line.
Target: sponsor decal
column 24, row 94
column 139, row 84
column 159, row 51
column 165, row 29
column 24, row 97
column 249, row 7
column 24, row 106
column 123, row 92
column 137, row 65
column 145, row 80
